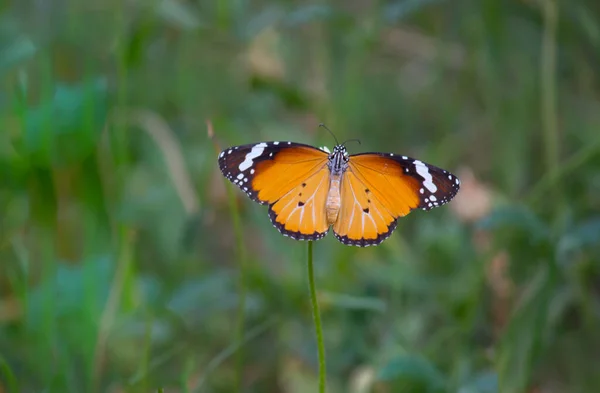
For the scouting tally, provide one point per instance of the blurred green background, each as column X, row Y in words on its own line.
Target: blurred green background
column 125, row 258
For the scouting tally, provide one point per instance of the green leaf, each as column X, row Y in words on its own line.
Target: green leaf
column 581, row 237
column 516, row 218
column 7, row 375
column 63, row 313
column 16, row 52
column 215, row 293
column 15, row 47
column 179, row 14
column 403, row 9
column 412, row 373
column 486, row 382
column 527, row 334
column 350, row 302
column 525, row 236
column 307, row 14
column 66, row 289
column 66, row 128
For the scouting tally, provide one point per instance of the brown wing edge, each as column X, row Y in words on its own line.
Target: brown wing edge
column 368, row 242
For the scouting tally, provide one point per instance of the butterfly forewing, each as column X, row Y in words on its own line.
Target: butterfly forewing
column 429, row 185
column 267, row 171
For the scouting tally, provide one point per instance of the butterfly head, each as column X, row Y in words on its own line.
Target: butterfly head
column 338, row 159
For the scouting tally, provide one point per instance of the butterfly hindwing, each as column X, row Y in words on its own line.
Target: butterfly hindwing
column 266, row 171
column 378, row 188
column 363, row 220
column 300, row 214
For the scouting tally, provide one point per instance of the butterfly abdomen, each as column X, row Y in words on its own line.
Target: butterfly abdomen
column 334, row 200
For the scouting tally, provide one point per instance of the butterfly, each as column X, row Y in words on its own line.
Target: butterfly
column 310, row 189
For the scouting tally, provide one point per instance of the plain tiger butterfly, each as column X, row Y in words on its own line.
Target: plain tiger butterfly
column 310, row 189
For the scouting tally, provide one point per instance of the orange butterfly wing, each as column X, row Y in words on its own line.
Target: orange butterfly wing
column 377, row 188
column 300, row 213
column 292, row 178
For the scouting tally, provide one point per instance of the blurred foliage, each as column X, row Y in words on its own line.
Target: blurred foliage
column 120, row 268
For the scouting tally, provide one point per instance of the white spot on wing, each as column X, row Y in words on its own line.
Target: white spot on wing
column 433, row 198
column 240, row 176
column 255, row 152
column 427, row 178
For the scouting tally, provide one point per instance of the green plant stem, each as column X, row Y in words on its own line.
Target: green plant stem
column 548, row 88
column 317, row 318
column 8, row 376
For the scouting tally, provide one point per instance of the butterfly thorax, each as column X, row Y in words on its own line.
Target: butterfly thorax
column 338, row 163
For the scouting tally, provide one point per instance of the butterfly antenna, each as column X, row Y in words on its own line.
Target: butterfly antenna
column 332, row 134
column 352, row 140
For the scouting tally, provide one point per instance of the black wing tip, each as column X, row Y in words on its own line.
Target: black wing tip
column 222, row 159
column 368, row 242
column 430, row 200
column 295, row 235
column 245, row 183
